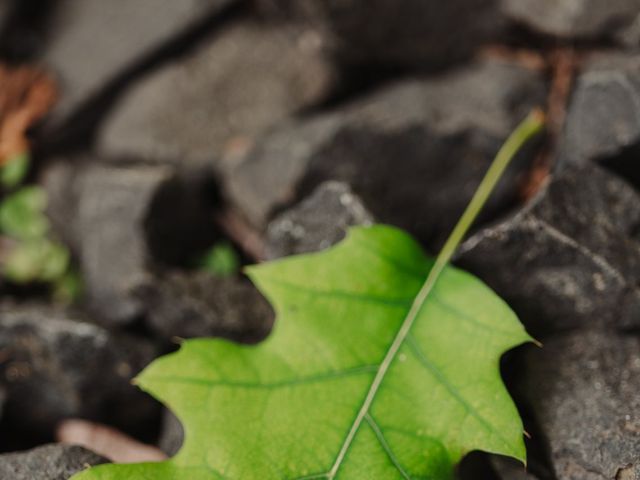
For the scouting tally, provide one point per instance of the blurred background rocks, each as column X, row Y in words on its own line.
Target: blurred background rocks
column 191, row 138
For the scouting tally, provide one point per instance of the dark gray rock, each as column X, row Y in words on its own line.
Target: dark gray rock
column 3, row 398
column 120, row 221
column 197, row 304
column 241, row 81
column 583, row 389
column 509, row 469
column 603, row 121
column 22, row 25
column 569, row 19
column 49, row 462
column 420, row 33
column 91, row 41
column 318, row 222
column 171, row 435
column 403, row 150
column 567, row 259
column 5, row 11
column 55, row 367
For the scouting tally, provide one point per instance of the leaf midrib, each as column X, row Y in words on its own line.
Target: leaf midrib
column 390, row 355
column 527, row 129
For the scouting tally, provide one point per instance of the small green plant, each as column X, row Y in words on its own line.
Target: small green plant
column 382, row 364
column 15, row 171
column 22, row 213
column 31, row 255
column 221, row 260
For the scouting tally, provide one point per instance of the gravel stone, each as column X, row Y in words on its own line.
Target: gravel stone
column 603, row 120
column 49, row 462
column 91, row 42
column 121, row 221
column 403, row 150
column 413, row 33
column 583, row 388
column 55, row 367
column 240, row 82
column 567, row 259
column 571, row 19
column 318, row 222
column 198, row 304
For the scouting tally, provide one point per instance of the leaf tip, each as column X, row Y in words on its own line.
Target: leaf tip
column 254, row 272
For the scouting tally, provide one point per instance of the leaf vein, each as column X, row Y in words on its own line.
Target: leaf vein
column 439, row 376
column 460, row 314
column 335, row 375
column 396, row 302
column 398, row 266
column 385, row 445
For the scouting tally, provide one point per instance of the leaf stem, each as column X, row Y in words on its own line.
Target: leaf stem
column 528, row 128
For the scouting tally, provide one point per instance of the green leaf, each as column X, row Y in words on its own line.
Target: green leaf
column 382, row 364
column 286, row 408
column 221, row 260
column 14, row 171
column 36, row 259
column 22, row 213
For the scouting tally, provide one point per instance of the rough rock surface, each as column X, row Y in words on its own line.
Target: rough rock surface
column 509, row 469
column 5, row 11
column 413, row 33
column 318, row 222
column 197, row 304
column 171, row 435
column 567, row 259
column 54, row 367
column 583, row 389
column 49, row 462
column 603, row 122
column 575, row 19
column 443, row 130
column 240, row 82
column 3, row 398
column 119, row 220
column 92, row 41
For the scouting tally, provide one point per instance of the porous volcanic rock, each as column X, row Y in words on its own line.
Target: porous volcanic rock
column 402, row 149
column 567, row 259
column 55, row 366
column 198, row 304
column 240, row 82
column 603, row 121
column 171, row 434
column 414, row 33
column 582, row 388
column 582, row 19
column 318, row 222
column 49, row 462
column 509, row 469
column 91, row 42
column 3, row 398
column 5, row 11
column 122, row 219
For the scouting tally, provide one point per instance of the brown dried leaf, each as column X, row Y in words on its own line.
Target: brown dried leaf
column 26, row 95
